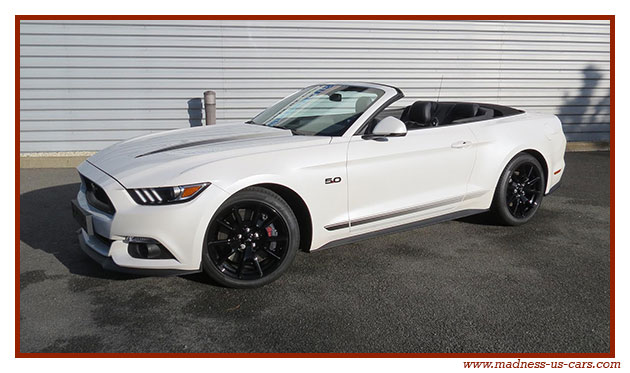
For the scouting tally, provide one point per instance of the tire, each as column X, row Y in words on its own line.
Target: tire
column 519, row 192
column 251, row 240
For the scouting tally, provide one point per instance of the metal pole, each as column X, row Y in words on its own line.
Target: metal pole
column 210, row 105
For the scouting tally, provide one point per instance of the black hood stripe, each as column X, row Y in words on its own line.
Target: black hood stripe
column 209, row 141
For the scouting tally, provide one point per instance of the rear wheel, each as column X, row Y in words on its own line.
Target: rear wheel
column 251, row 240
column 520, row 190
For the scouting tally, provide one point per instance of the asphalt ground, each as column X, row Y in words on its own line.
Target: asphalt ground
column 461, row 286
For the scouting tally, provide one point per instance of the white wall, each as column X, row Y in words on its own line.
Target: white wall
column 87, row 84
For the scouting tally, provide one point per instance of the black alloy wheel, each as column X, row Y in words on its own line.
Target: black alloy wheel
column 251, row 240
column 520, row 190
column 524, row 190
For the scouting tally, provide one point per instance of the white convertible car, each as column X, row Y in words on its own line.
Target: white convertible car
column 328, row 165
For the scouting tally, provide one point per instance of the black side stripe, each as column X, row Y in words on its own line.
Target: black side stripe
column 407, row 211
column 334, row 227
column 411, row 210
column 400, row 228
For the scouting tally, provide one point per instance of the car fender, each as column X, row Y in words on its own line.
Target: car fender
column 520, row 149
column 502, row 139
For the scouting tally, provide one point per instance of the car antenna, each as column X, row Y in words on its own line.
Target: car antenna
column 440, row 89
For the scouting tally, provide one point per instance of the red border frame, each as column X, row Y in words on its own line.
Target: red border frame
column 610, row 18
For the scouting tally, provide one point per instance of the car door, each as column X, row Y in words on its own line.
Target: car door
column 394, row 180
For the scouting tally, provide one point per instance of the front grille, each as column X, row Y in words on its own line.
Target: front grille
column 97, row 197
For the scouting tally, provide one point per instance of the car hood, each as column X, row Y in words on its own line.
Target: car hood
column 164, row 158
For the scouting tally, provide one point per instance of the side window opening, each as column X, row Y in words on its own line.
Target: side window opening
column 426, row 114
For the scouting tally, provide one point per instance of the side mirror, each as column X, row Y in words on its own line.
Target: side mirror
column 389, row 126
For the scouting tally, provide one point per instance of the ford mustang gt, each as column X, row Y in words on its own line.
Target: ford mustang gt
column 328, row 165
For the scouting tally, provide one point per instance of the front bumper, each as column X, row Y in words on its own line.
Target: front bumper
column 108, row 263
column 179, row 228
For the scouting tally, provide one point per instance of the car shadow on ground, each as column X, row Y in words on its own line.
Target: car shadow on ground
column 484, row 218
column 46, row 224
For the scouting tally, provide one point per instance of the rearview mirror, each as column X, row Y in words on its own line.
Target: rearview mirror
column 336, row 97
column 390, row 126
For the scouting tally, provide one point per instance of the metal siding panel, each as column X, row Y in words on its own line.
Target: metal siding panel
column 388, row 52
column 111, row 125
column 332, row 63
column 514, row 96
column 534, row 104
column 299, row 82
column 87, row 84
column 595, row 26
column 317, row 34
column 296, row 73
column 290, row 42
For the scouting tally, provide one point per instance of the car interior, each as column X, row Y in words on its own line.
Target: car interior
column 423, row 114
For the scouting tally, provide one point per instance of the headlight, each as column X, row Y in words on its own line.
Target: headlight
column 166, row 195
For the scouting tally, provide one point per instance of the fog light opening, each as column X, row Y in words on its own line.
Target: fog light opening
column 153, row 251
column 147, row 248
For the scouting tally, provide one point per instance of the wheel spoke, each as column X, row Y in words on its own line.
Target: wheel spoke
column 218, row 243
column 255, row 214
column 518, row 202
column 529, row 174
column 273, row 238
column 236, row 215
column 272, row 254
column 268, row 221
column 512, row 198
column 530, row 189
column 260, row 271
column 225, row 224
column 241, row 265
column 532, row 181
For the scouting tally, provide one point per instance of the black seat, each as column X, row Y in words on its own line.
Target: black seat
column 419, row 114
column 462, row 112
column 484, row 114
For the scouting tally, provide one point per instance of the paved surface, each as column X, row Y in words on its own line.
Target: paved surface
column 461, row 286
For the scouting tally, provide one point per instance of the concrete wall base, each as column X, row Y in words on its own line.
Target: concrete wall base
column 53, row 160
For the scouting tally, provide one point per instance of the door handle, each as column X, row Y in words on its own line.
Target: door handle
column 461, row 144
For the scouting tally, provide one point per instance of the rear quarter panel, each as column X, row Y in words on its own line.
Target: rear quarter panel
column 499, row 140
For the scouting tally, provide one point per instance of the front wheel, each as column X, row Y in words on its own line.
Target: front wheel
column 251, row 240
column 520, row 191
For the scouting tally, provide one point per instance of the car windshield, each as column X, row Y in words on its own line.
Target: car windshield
column 321, row 110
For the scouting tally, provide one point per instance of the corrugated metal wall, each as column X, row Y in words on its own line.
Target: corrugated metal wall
column 88, row 84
